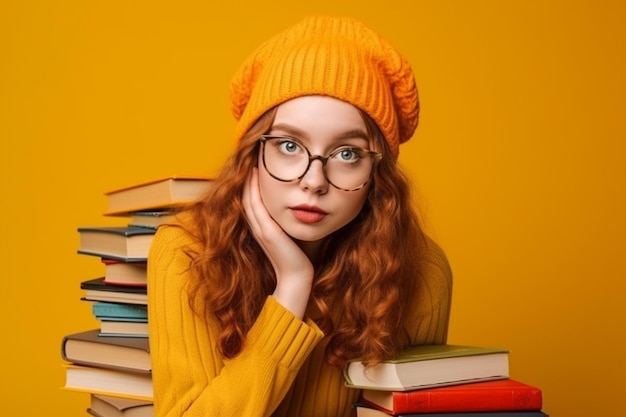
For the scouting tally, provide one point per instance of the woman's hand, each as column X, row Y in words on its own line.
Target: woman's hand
column 294, row 271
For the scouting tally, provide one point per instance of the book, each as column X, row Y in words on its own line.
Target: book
column 120, row 243
column 106, row 381
column 158, row 194
column 128, row 327
column 363, row 410
column 103, row 310
column 500, row 395
column 152, row 219
column 98, row 290
column 122, row 353
column 125, row 273
column 427, row 366
column 107, row 406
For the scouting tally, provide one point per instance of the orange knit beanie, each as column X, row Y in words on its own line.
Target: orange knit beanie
column 333, row 56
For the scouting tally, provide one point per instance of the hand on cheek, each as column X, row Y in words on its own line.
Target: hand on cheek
column 294, row 271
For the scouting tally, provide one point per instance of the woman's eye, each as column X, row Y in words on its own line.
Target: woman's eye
column 347, row 154
column 289, row 147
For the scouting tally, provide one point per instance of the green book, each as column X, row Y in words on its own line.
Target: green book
column 427, row 366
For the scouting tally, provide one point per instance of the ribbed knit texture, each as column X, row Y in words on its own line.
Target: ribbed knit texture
column 333, row 56
column 281, row 370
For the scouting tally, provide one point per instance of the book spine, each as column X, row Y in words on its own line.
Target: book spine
column 123, row 319
column 147, row 226
column 111, row 310
column 111, row 393
column 433, row 402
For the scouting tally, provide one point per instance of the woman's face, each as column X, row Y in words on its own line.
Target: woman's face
column 310, row 209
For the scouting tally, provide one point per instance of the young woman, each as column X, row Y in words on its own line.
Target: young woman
column 307, row 251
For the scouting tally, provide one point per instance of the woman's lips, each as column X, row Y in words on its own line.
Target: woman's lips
column 308, row 214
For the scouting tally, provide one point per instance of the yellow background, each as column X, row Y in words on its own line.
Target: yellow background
column 519, row 159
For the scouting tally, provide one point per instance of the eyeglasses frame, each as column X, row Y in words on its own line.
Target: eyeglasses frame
column 376, row 156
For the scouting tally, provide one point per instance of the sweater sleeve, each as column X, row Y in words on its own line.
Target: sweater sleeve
column 190, row 378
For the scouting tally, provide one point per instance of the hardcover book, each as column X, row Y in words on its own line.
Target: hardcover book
column 107, row 406
column 123, row 327
column 152, row 219
column 428, row 366
column 122, row 353
column 158, row 194
column 112, row 382
column 363, row 410
column 103, row 311
column 501, row 395
column 98, row 290
column 121, row 243
column 125, row 273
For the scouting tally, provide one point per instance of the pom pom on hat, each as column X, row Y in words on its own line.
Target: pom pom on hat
column 333, row 56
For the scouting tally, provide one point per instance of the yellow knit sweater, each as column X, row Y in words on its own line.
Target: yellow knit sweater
column 281, row 371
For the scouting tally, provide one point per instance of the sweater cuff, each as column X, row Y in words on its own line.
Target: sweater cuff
column 284, row 336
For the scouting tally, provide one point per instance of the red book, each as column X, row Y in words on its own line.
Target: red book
column 500, row 395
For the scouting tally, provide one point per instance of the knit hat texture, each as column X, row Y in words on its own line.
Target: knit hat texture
column 333, row 56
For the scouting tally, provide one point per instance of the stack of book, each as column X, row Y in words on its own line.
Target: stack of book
column 112, row 362
column 443, row 381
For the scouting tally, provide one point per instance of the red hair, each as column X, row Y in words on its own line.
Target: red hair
column 368, row 272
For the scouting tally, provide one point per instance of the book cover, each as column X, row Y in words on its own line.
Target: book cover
column 428, row 366
column 123, row 327
column 158, row 194
column 105, row 381
column 103, row 311
column 107, row 406
column 363, row 410
column 432, row 352
column 99, row 284
column 118, row 272
column 501, row 395
column 97, row 289
column 120, row 243
column 151, row 219
column 121, row 353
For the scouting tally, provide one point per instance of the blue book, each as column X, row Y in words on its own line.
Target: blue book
column 103, row 310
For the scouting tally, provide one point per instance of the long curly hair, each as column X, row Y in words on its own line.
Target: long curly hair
column 369, row 269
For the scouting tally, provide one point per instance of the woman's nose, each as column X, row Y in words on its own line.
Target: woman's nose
column 314, row 178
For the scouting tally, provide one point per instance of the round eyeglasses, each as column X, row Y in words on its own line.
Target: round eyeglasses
column 347, row 168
